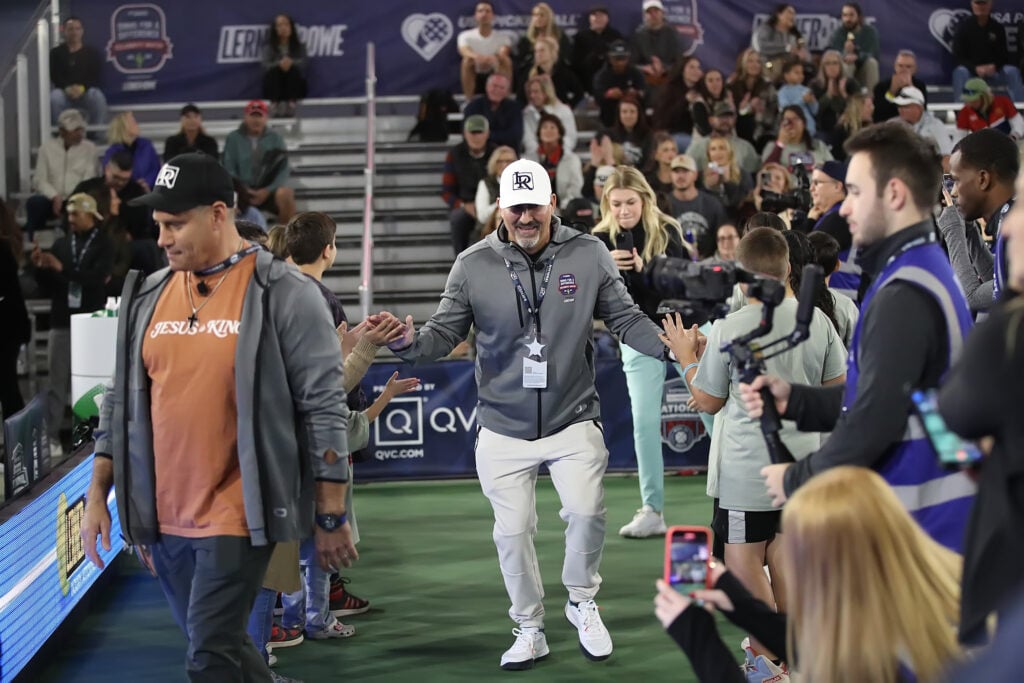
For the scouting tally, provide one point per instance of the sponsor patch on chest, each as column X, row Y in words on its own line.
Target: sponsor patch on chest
column 567, row 284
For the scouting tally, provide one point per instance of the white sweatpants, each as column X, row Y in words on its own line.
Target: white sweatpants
column 507, row 468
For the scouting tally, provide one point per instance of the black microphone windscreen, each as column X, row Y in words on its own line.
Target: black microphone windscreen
column 813, row 277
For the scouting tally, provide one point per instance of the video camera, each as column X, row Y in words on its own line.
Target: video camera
column 797, row 200
column 694, row 290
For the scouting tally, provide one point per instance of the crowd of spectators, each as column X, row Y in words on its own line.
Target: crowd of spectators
column 782, row 104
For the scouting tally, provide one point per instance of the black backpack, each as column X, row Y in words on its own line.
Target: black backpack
column 432, row 123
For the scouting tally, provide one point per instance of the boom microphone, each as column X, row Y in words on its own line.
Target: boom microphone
column 812, row 278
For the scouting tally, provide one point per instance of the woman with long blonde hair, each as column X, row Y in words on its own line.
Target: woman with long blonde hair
column 636, row 231
column 860, row 109
column 871, row 597
column 542, row 24
column 723, row 176
column 123, row 134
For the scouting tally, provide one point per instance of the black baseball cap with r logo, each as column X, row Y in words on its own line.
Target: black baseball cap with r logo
column 187, row 181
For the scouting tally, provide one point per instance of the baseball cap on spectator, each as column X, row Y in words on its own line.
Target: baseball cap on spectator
column 603, row 173
column 190, row 109
column 603, row 9
column 618, row 50
column 187, row 181
column 974, row 88
column 836, row 170
column 909, row 95
column 256, row 107
column 81, row 202
column 684, row 161
column 524, row 182
column 476, row 124
column 70, row 119
column 648, row 4
column 723, row 108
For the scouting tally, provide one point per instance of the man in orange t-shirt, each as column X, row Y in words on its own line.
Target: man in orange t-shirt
column 207, row 479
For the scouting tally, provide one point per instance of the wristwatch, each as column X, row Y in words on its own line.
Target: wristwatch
column 330, row 522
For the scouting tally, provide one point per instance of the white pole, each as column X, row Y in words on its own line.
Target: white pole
column 55, row 22
column 43, row 36
column 24, row 162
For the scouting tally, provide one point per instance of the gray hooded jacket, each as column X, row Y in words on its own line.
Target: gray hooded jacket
column 290, row 400
column 584, row 284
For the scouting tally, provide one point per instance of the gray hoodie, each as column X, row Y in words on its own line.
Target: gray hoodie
column 584, row 284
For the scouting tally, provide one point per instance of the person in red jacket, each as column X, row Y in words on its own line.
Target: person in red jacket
column 982, row 109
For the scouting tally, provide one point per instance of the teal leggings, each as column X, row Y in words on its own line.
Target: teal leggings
column 645, row 378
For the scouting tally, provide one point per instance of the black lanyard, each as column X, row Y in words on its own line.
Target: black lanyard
column 76, row 257
column 930, row 238
column 534, row 310
column 228, row 262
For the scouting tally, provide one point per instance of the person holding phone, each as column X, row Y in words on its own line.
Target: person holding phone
column 636, row 231
column 858, row 567
column 981, row 397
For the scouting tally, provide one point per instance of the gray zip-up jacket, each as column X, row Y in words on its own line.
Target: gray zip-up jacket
column 584, row 284
column 290, row 400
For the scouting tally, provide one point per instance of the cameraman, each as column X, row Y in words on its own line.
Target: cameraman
column 827, row 194
column 913, row 321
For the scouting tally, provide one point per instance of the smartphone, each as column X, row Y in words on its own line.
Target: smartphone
column 805, row 158
column 766, row 178
column 954, row 452
column 687, row 555
column 947, row 183
column 624, row 240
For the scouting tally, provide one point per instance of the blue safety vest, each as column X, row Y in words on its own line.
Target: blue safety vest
column 938, row 499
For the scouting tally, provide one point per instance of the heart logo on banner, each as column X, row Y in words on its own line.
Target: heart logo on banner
column 942, row 23
column 427, row 33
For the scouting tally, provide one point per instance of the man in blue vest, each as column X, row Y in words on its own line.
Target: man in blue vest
column 913, row 321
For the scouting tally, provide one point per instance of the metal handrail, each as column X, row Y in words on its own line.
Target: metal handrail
column 366, row 267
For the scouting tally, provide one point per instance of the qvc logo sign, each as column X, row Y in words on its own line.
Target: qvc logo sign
column 402, row 422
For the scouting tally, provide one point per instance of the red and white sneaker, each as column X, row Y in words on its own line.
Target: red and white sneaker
column 343, row 603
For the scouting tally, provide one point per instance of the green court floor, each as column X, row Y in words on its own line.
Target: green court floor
column 439, row 607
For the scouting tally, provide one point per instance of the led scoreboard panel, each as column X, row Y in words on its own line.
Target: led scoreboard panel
column 43, row 568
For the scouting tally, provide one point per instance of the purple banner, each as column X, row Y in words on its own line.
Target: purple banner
column 191, row 50
column 431, row 433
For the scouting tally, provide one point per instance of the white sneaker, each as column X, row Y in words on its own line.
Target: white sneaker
column 646, row 522
column 271, row 659
column 335, row 630
column 595, row 641
column 760, row 669
column 531, row 645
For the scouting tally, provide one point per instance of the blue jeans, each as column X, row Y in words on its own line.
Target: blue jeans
column 93, row 103
column 261, row 620
column 38, row 210
column 309, row 607
column 1008, row 76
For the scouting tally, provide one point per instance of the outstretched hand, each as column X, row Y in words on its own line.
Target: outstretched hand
column 408, row 331
column 397, row 387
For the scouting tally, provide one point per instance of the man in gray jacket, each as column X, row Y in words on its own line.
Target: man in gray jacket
column 223, row 431
column 532, row 289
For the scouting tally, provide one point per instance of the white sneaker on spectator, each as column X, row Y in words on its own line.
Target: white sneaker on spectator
column 335, row 630
column 760, row 669
column 271, row 660
column 646, row 522
column 595, row 641
column 531, row 645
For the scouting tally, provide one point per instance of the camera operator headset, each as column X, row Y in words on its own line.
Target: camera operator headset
column 913, row 322
column 636, row 231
